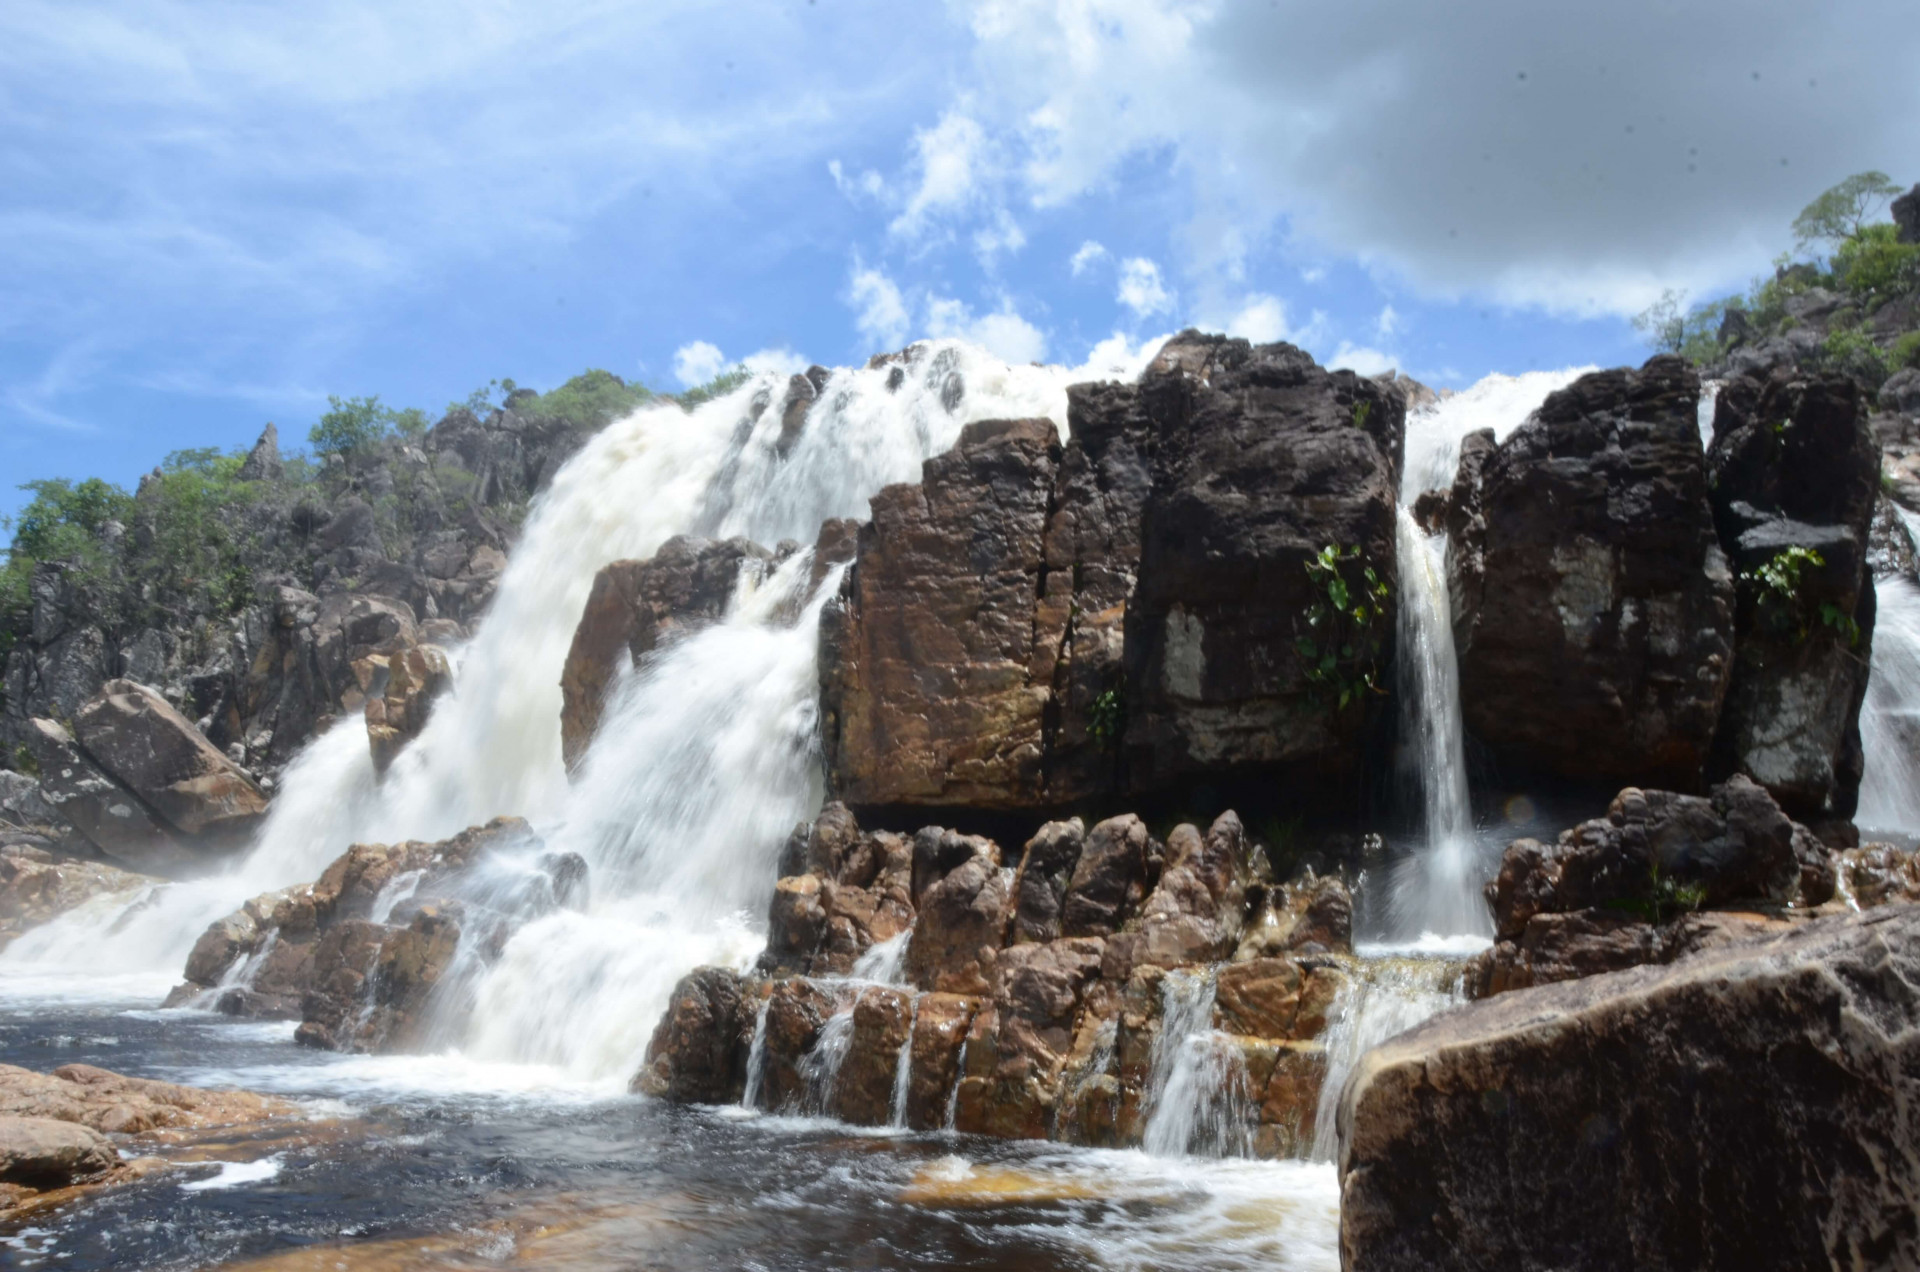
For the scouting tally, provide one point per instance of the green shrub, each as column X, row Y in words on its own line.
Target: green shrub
column 588, row 402
column 1875, row 264
column 1851, row 350
column 1905, row 352
column 721, row 385
column 1345, row 624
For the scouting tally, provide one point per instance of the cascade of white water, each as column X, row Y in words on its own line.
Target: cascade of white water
column 1387, row 997
column 1197, row 1094
column 756, row 1057
column 903, row 1069
column 885, row 962
column 695, row 777
column 1436, row 891
column 820, row 1067
column 1890, row 716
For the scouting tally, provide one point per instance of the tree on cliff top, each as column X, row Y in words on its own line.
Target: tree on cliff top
column 1844, row 211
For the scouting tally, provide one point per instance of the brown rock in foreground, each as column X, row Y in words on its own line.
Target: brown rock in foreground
column 1751, row 1107
column 116, row 1104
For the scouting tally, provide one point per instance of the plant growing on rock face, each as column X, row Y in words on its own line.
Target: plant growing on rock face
column 1667, row 898
column 1107, row 717
column 1781, row 599
column 1345, row 623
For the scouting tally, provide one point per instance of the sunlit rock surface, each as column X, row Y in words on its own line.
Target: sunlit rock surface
column 1632, row 1119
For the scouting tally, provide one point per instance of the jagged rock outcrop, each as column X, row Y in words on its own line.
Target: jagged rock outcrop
column 1628, row 1120
column 1794, row 473
column 1598, row 642
column 99, row 808
column 357, row 954
column 634, row 606
column 416, row 676
column 1004, row 1026
column 1261, row 460
column 1618, row 891
column 927, row 692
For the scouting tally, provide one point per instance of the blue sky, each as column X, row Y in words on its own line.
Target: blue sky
column 214, row 214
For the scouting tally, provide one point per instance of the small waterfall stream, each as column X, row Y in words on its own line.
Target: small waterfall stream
column 1197, row 1101
column 1890, row 716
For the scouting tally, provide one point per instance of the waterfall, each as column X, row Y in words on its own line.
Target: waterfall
column 820, row 1067
column 885, row 962
column 756, row 1057
column 1890, row 716
column 706, row 756
column 1435, row 892
column 1197, row 1097
column 903, row 1069
column 1389, row 996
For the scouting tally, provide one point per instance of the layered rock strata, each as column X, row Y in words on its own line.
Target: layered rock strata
column 1632, row 1119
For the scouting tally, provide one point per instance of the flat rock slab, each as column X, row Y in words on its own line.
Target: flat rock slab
column 113, row 1103
column 1749, row 1107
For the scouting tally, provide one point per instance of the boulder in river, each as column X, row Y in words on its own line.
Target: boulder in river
column 1632, row 1119
column 37, row 885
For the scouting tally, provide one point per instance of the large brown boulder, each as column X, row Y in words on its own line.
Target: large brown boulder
column 1795, row 474
column 1601, row 643
column 1040, row 885
column 1198, row 909
column 157, row 754
column 1237, row 663
column 1112, row 876
column 633, row 607
column 962, row 919
column 848, row 892
column 101, row 809
column 1633, row 1119
column 698, row 1053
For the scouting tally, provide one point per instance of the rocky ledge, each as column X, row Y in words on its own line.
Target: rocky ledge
column 930, row 981
column 62, row 1134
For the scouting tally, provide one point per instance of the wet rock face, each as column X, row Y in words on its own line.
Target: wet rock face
column 847, row 892
column 634, row 606
column 358, row 955
column 1570, row 1126
column 1795, row 475
column 42, row 1153
column 1261, row 459
column 1004, row 1026
column 698, row 1050
column 415, row 677
column 1601, row 641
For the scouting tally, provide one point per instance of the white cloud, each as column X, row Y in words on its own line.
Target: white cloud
column 1003, row 333
column 1363, row 360
column 1577, row 159
column 1141, row 288
column 1004, row 235
column 1117, row 358
column 781, row 361
column 697, row 362
column 1089, row 255
column 1261, row 319
column 1387, row 323
column 868, row 185
column 879, row 310
column 948, row 167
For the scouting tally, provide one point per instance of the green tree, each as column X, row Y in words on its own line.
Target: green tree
column 1843, row 211
column 349, row 425
column 1664, row 322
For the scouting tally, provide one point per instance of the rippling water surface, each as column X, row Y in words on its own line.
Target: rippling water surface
column 436, row 1162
